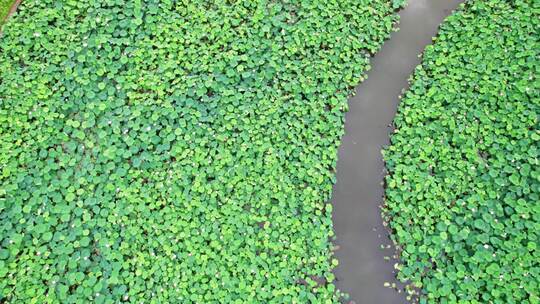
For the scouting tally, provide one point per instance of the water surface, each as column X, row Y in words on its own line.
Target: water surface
column 357, row 195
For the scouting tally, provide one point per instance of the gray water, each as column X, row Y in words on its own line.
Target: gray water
column 358, row 193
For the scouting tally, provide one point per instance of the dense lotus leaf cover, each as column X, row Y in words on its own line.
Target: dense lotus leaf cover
column 463, row 191
column 175, row 151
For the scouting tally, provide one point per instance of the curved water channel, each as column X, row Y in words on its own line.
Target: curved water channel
column 13, row 8
column 358, row 193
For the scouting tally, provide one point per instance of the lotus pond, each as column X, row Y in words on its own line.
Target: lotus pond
column 165, row 151
column 463, row 191
column 175, row 151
